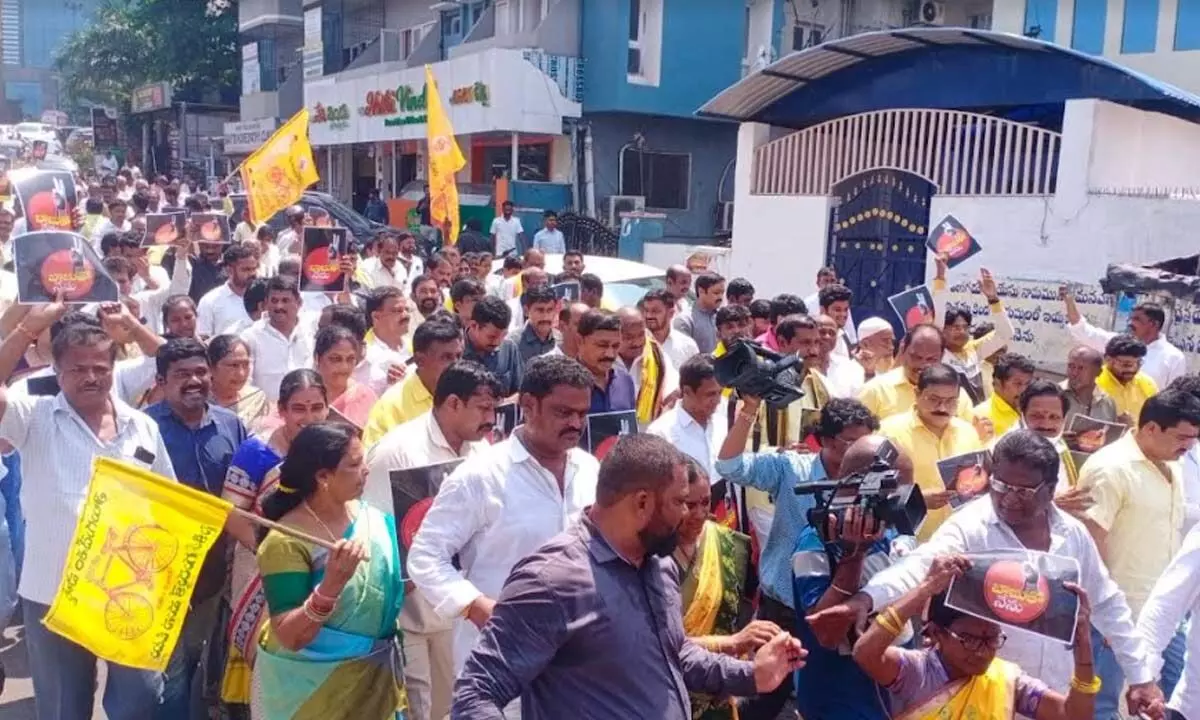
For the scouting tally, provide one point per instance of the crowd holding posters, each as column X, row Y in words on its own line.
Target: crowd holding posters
column 47, row 197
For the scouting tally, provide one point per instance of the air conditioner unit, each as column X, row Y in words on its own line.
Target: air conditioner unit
column 933, row 12
column 618, row 204
column 725, row 216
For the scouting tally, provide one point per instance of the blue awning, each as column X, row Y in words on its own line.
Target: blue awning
column 940, row 68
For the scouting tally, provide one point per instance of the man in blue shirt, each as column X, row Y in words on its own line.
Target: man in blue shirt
column 778, row 474
column 826, row 572
column 599, row 340
column 550, row 239
column 200, row 438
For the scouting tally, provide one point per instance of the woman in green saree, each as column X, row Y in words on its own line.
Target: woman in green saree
column 330, row 650
column 712, row 562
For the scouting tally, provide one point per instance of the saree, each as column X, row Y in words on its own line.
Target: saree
column 712, row 591
column 253, row 475
column 990, row 696
column 352, row 668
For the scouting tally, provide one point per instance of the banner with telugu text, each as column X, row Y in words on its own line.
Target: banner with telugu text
column 133, row 564
column 276, row 174
column 445, row 159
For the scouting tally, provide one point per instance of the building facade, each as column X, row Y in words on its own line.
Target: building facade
column 31, row 32
column 593, row 99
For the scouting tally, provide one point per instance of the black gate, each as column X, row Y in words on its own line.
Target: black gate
column 877, row 231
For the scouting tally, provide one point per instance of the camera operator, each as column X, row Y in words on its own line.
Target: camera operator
column 778, row 474
column 828, row 569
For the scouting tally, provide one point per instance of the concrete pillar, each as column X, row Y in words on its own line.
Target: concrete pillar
column 1074, row 157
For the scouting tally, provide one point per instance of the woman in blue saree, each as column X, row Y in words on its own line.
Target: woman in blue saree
column 330, row 650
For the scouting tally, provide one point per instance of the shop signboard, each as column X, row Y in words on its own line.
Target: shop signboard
column 151, row 97
column 496, row 90
column 243, row 138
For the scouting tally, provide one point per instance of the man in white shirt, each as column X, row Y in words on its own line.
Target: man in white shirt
column 507, row 231
column 636, row 350
column 550, row 239
column 224, row 306
column 825, row 276
column 1163, row 362
column 504, row 502
column 658, row 310
column 114, row 222
column 1176, row 595
column 694, row 425
column 1018, row 513
column 290, row 240
column 464, row 411
column 385, row 268
column 58, row 437
column 679, row 283
column 387, row 352
column 278, row 343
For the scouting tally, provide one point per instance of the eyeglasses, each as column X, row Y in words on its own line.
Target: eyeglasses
column 975, row 643
column 1023, row 493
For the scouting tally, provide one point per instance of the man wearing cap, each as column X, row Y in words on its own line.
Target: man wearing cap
column 289, row 241
column 876, row 346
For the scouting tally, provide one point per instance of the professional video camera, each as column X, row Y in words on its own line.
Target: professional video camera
column 877, row 491
column 751, row 369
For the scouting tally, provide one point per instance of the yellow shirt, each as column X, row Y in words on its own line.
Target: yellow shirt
column 1129, row 398
column 1140, row 509
column 891, row 394
column 925, row 449
column 1003, row 416
column 401, row 402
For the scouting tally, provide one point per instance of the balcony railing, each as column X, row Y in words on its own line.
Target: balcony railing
column 962, row 153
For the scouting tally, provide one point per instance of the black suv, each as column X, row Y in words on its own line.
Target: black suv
column 361, row 229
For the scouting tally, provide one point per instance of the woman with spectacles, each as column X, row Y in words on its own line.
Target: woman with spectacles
column 958, row 675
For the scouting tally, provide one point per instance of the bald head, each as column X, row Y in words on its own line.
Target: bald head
column 1085, row 354
column 1083, row 367
column 535, row 258
column 534, row 277
column 861, row 454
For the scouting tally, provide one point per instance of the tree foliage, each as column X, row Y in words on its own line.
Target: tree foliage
column 191, row 44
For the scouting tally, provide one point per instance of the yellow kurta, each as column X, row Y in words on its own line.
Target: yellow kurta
column 402, row 402
column 925, row 449
column 891, row 394
column 1129, row 398
column 1141, row 510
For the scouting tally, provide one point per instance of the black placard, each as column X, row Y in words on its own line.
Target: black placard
column 966, row 474
column 413, row 491
column 914, row 306
column 48, row 262
column 47, row 198
column 1020, row 589
column 951, row 239
column 164, row 228
column 604, row 429
column 211, row 228
column 323, row 248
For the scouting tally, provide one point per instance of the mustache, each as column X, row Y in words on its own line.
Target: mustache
column 486, row 428
column 571, row 431
column 940, row 413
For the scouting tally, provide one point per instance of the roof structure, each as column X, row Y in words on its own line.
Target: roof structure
column 939, row 68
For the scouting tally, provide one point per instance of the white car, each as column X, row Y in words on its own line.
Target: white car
column 625, row 281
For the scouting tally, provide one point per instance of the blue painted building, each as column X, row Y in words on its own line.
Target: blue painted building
column 650, row 65
column 31, row 32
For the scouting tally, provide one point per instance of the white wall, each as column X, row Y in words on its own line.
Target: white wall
column 1135, row 149
column 779, row 241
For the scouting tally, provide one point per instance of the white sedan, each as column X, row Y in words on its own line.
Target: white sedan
column 625, row 281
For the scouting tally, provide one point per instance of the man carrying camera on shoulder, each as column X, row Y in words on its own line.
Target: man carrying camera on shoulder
column 831, row 564
column 778, row 474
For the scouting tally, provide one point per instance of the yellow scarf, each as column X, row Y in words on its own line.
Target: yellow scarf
column 989, row 696
column 1003, row 415
column 701, row 615
column 518, row 286
column 717, row 352
column 649, row 399
column 1069, row 465
column 1130, row 397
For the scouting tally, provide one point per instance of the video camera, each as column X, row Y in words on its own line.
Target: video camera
column 752, row 369
column 877, row 491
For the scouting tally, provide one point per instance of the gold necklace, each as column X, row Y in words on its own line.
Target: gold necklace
column 317, row 517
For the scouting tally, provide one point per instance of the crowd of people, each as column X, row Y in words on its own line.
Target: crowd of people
column 680, row 575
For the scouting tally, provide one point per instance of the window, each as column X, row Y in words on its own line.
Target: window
column 806, row 35
column 664, row 179
column 982, row 21
column 637, row 23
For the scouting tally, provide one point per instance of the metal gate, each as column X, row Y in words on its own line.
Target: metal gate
column 877, row 231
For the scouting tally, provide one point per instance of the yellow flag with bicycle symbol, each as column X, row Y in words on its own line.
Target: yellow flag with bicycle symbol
column 133, row 563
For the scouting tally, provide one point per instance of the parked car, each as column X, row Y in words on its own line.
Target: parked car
column 625, row 281
column 361, row 229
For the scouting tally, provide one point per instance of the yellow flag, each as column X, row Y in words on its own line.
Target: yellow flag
column 134, row 561
column 445, row 159
column 276, row 174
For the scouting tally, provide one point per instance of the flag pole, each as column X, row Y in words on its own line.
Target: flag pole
column 290, row 531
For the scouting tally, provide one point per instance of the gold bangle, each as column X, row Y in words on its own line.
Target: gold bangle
column 883, row 622
column 894, row 617
column 1086, row 688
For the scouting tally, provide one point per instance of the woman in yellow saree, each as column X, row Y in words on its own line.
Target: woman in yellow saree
column 959, row 676
column 712, row 562
column 330, row 651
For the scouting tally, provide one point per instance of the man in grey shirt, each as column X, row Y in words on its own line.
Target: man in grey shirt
column 1083, row 397
column 700, row 323
column 593, row 620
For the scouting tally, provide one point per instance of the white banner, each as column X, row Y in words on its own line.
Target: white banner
column 243, row 138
